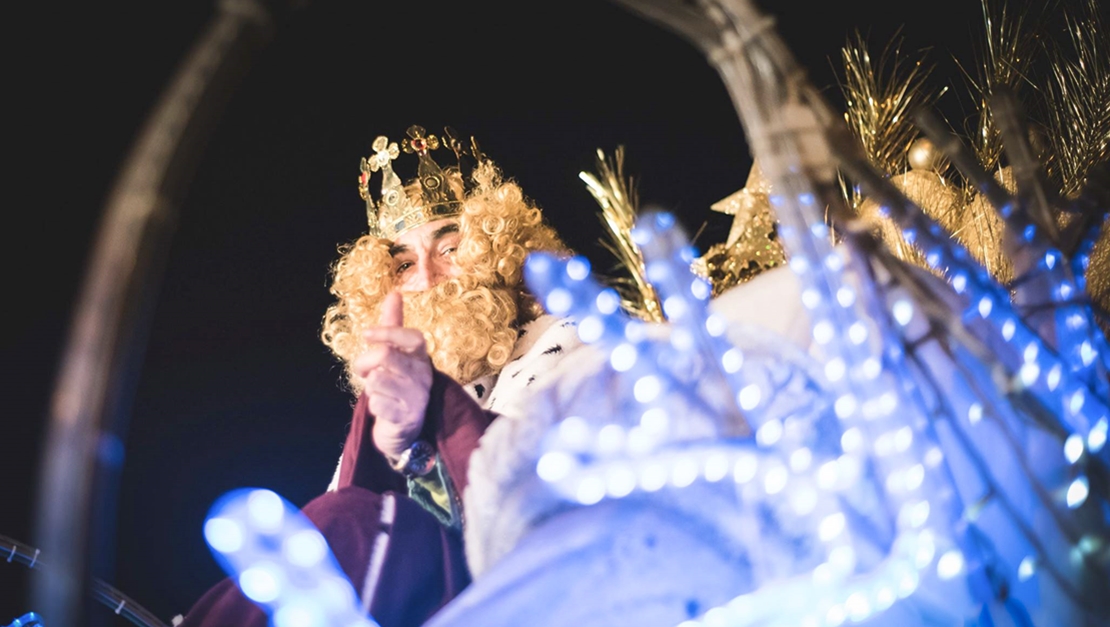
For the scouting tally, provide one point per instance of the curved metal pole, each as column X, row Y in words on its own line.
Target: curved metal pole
column 110, row 319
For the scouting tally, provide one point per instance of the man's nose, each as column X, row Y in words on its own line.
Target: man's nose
column 429, row 272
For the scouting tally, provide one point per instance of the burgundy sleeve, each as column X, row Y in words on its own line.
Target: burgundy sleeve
column 453, row 420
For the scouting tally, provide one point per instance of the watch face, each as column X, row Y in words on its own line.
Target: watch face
column 421, row 459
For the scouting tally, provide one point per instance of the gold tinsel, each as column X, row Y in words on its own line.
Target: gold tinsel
column 619, row 208
column 1075, row 136
column 1077, row 92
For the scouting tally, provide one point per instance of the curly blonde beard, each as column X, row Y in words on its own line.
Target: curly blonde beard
column 470, row 329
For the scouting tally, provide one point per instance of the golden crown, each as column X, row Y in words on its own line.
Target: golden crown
column 396, row 212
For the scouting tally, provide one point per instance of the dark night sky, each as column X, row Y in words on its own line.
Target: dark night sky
column 234, row 388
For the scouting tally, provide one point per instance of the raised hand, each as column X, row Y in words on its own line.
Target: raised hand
column 397, row 375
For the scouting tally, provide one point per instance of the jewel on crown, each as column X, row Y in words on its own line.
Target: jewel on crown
column 396, row 212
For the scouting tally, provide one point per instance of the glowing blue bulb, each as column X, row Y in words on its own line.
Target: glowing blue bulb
column 834, row 262
column 715, row 325
column 1027, row 567
column 803, row 500
column 959, row 282
column 305, row 548
column 684, row 473
column 301, row 615
column 732, row 360
column 674, row 307
column 1053, row 377
column 623, row 357
column 910, row 236
column 664, row 221
column 872, row 368
column 1086, row 353
column 1075, row 402
column 1096, row 439
column 1008, row 328
column 914, row 515
column 1029, row 232
column 574, row 433
column 1076, row 322
column 653, row 477
column 1028, row 373
column 819, row 229
column 975, row 413
column 716, row 467
column 266, row 509
column 558, row 301
column 688, row 254
column 658, row 271
column 1064, row 291
column 950, row 564
column 769, row 433
column 1050, row 258
column 933, row 258
column 700, row 289
column 610, row 439
column 259, row 584
column 749, row 397
column 775, row 480
column 1078, row 492
column 846, row 296
column 800, row 459
column 591, row 329
column 1031, row 351
column 858, row 607
column 620, row 481
column 538, row 264
column 823, row 332
column 555, row 466
column 647, row 388
column 655, row 419
column 845, row 406
column 831, row 526
column 903, row 311
column 834, row 369
column 915, row 476
column 811, row 298
column 223, row 535
column 806, row 199
column 578, row 268
column 851, row 441
column 1073, row 448
column 985, row 306
column 745, row 468
column 591, row 490
column 799, row 264
column 857, row 333
column 608, row 301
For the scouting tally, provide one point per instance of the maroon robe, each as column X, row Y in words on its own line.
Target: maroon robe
column 424, row 564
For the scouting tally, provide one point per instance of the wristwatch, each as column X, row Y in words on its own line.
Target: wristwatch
column 417, row 460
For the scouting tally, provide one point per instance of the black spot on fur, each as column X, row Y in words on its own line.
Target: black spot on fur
column 479, row 389
column 530, row 380
column 554, row 350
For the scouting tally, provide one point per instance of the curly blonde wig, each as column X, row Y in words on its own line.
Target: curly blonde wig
column 469, row 321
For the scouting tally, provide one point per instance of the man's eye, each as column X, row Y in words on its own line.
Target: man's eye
column 447, row 250
column 402, row 267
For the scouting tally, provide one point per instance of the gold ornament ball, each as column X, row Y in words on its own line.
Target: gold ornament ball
column 923, row 155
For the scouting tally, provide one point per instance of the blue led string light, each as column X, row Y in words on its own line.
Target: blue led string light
column 281, row 561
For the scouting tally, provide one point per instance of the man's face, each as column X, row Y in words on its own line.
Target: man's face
column 425, row 256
